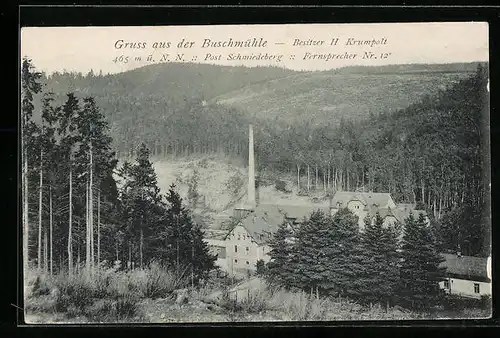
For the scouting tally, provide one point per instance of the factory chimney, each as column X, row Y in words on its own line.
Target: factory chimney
column 251, row 169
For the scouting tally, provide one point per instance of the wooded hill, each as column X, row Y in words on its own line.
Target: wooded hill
column 351, row 92
column 422, row 140
column 173, row 106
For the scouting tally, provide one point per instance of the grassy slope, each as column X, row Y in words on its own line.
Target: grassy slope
column 150, row 296
column 352, row 93
column 262, row 92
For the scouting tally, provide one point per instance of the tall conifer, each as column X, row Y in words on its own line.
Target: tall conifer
column 420, row 272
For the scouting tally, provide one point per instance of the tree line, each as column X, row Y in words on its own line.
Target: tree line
column 433, row 153
column 79, row 209
column 421, row 154
column 328, row 255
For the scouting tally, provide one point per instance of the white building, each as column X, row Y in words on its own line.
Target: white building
column 217, row 245
column 466, row 276
column 364, row 204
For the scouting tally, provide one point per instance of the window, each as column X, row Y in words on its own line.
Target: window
column 446, row 284
column 235, row 248
column 222, row 252
column 247, row 263
column 476, row 287
column 239, row 238
column 236, row 261
column 247, row 249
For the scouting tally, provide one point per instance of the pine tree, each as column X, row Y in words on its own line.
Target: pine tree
column 140, row 196
column 30, row 85
column 380, row 260
column 343, row 255
column 183, row 246
column 280, row 269
column 312, row 252
column 95, row 161
column 420, row 272
column 80, row 130
column 392, row 255
column 46, row 148
column 68, row 142
column 193, row 194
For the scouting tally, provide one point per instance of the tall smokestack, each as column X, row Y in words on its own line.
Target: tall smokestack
column 251, row 169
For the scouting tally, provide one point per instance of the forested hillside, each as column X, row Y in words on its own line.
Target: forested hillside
column 419, row 133
column 434, row 153
column 353, row 93
column 150, row 104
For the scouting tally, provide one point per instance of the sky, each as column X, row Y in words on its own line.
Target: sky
column 81, row 49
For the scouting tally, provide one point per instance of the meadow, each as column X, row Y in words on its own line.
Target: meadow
column 156, row 295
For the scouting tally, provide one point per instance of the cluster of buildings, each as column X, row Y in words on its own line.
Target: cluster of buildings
column 241, row 247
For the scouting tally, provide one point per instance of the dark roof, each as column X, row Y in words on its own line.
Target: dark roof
column 266, row 218
column 402, row 214
column 369, row 199
column 214, row 234
column 467, row 267
column 410, row 206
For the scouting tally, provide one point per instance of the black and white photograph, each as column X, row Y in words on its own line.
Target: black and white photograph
column 255, row 173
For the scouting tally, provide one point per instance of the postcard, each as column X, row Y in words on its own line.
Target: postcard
column 255, row 173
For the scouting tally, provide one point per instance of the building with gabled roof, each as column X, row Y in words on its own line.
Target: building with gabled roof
column 466, row 276
column 368, row 204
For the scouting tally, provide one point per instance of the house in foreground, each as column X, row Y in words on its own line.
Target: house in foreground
column 466, row 276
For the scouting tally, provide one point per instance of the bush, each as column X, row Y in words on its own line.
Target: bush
column 41, row 286
column 456, row 302
column 160, row 282
column 101, row 311
column 45, row 303
column 126, row 307
column 109, row 294
column 74, row 292
column 229, row 304
column 298, row 305
column 261, row 268
column 255, row 303
column 234, row 184
column 302, row 192
column 280, row 185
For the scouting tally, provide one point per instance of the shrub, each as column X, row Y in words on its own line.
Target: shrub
column 261, row 268
column 456, row 302
column 45, row 303
column 255, row 303
column 126, row 307
column 280, row 185
column 203, row 163
column 41, row 286
column 157, row 281
column 229, row 304
column 74, row 292
column 234, row 184
column 302, row 192
column 101, row 311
